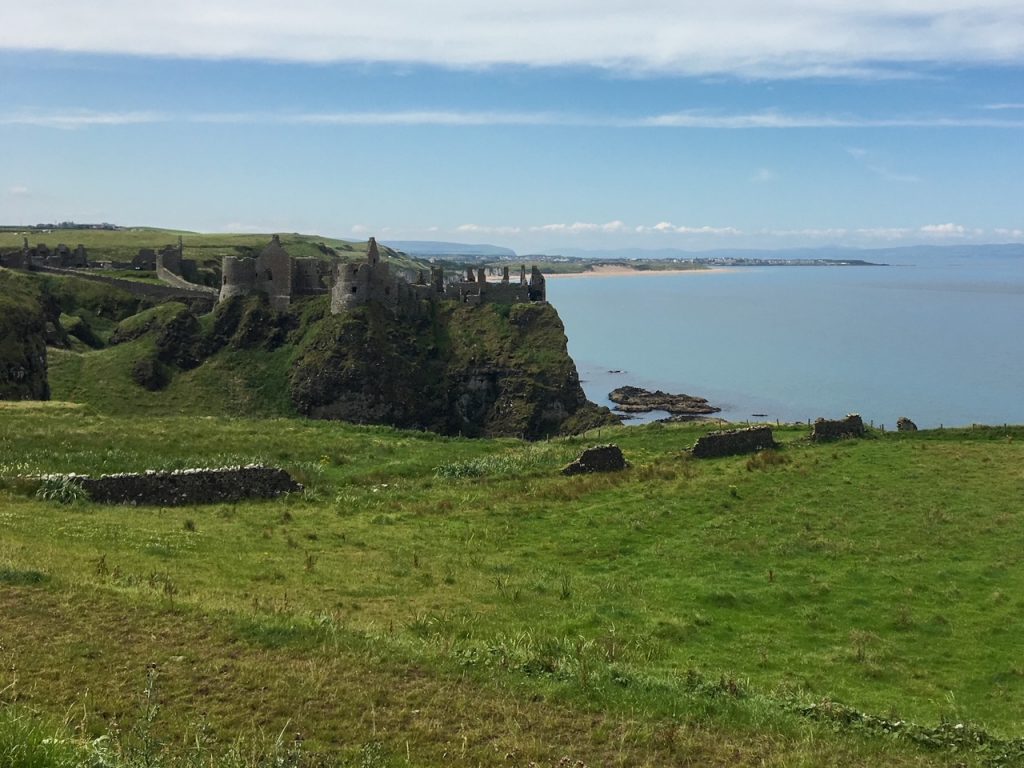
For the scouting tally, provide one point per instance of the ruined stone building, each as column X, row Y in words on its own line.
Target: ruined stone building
column 372, row 280
column 274, row 273
column 356, row 284
column 280, row 277
column 40, row 255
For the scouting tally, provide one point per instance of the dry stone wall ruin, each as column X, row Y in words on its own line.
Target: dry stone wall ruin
column 835, row 429
column 733, row 442
column 189, row 486
column 600, row 458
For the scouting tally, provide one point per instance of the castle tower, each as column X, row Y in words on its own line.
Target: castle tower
column 538, row 287
column 372, row 254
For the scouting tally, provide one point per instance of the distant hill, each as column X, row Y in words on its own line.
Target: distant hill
column 901, row 254
column 437, row 248
column 207, row 249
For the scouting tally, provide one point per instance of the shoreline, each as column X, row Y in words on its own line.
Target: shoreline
column 616, row 271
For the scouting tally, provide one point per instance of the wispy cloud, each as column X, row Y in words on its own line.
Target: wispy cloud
column 945, row 230
column 871, row 162
column 776, row 38
column 764, row 120
column 667, row 227
column 1014, row 233
column 72, row 119
column 481, row 229
column 763, row 176
column 581, row 227
column 1004, row 106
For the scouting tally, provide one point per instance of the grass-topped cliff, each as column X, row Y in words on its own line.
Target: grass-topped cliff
column 455, row 369
column 444, row 601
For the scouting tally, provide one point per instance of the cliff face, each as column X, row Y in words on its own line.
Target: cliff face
column 24, row 315
column 452, row 368
column 457, row 369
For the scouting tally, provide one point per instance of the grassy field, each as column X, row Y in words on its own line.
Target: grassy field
column 203, row 247
column 440, row 601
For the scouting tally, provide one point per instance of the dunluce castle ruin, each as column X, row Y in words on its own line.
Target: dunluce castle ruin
column 281, row 277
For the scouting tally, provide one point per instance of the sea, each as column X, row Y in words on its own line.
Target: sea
column 939, row 341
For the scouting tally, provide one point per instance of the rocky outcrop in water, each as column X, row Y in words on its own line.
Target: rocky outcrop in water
column 637, row 400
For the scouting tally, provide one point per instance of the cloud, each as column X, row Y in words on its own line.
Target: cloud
column 1003, row 106
column 868, row 160
column 667, row 227
column 774, row 38
column 1016, row 234
column 359, row 229
column 763, row 176
column 944, row 230
column 18, row 190
column 581, row 227
column 772, row 120
column 479, row 229
column 82, row 119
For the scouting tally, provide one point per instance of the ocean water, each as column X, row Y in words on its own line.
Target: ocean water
column 941, row 341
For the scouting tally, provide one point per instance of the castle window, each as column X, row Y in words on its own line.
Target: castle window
column 355, row 288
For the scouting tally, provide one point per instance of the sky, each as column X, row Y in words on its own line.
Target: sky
column 539, row 126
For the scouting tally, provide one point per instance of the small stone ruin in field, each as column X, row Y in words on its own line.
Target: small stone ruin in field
column 835, row 429
column 600, row 458
column 733, row 442
column 188, row 486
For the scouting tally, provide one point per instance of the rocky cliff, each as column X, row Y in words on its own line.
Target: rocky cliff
column 456, row 369
column 25, row 313
column 452, row 368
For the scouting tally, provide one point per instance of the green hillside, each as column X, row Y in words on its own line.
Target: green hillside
column 443, row 601
column 123, row 244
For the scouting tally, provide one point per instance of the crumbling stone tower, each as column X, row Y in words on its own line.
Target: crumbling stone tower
column 270, row 273
column 357, row 284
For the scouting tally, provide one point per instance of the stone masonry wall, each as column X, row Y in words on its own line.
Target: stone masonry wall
column 189, row 486
column 733, row 442
column 825, row 429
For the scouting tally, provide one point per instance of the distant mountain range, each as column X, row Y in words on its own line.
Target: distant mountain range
column 436, row 248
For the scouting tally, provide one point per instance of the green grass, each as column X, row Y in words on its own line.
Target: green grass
column 681, row 607
column 124, row 244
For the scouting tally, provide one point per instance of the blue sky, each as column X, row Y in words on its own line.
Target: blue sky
column 539, row 126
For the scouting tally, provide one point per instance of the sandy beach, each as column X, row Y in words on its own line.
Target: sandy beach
column 613, row 270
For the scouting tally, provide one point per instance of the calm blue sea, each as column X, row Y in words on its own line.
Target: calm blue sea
column 941, row 342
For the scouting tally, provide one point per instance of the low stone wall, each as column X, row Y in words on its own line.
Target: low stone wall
column 835, row 429
column 136, row 288
column 189, row 486
column 733, row 442
column 600, row 458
